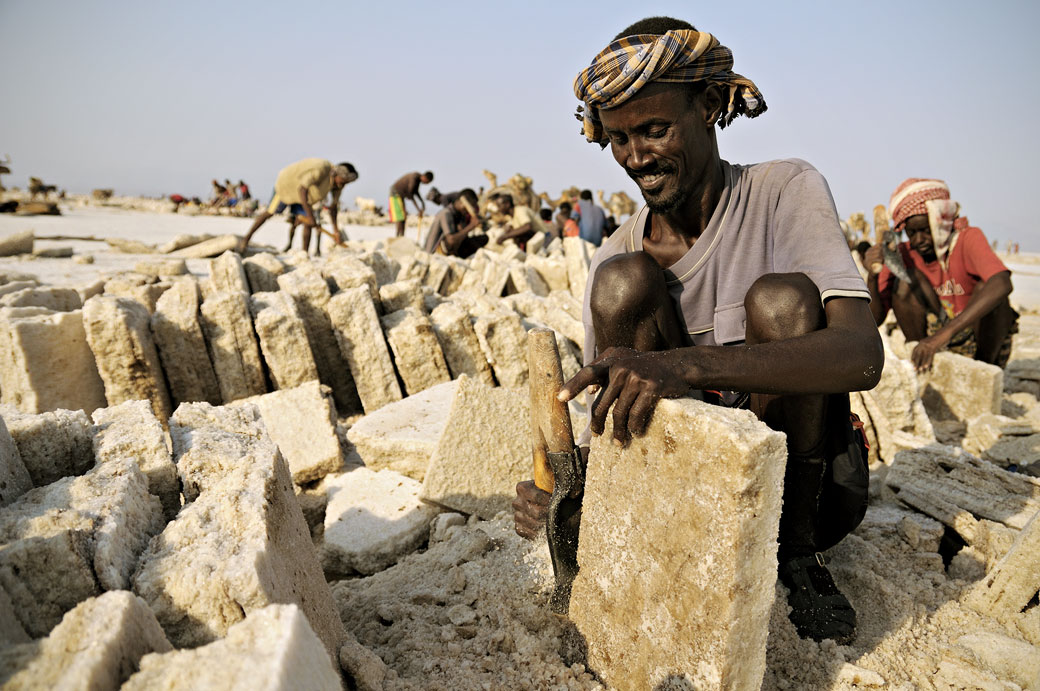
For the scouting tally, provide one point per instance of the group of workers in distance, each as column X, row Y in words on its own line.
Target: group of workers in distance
column 726, row 255
column 303, row 187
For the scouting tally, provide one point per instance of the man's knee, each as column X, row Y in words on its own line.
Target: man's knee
column 781, row 306
column 627, row 284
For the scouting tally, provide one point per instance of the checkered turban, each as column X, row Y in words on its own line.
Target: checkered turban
column 678, row 56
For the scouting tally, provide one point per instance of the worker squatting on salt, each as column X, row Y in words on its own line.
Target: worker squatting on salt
column 298, row 187
column 450, row 230
column 735, row 284
column 957, row 296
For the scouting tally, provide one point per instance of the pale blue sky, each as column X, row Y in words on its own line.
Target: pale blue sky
column 156, row 98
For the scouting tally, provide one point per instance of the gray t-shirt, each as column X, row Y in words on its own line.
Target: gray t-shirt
column 772, row 217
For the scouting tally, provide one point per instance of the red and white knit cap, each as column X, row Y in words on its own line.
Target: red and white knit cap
column 909, row 198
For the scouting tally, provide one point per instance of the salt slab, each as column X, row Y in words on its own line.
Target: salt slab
column 274, row 648
column 678, row 550
column 240, row 545
column 97, row 645
column 373, row 518
column 484, row 451
column 402, row 436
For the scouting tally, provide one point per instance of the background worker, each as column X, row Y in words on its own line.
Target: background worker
column 407, row 189
column 958, row 295
column 299, row 187
column 450, row 231
column 523, row 221
column 591, row 219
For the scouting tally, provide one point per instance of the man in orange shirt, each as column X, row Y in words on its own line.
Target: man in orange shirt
column 957, row 298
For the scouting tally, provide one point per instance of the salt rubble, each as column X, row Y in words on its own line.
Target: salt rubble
column 463, row 603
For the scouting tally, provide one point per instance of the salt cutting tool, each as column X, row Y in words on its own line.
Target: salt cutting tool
column 558, row 464
column 890, row 256
column 893, row 260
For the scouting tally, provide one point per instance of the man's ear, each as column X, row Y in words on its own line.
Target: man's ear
column 715, row 99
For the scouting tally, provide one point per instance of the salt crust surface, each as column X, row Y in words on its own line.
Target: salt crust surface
column 906, row 642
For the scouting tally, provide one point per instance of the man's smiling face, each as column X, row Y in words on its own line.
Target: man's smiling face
column 664, row 143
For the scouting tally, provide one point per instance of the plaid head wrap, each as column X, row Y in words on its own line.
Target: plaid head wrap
column 916, row 196
column 679, row 56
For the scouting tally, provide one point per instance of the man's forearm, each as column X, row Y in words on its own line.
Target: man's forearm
column 847, row 355
column 877, row 308
column 820, row 362
column 334, row 212
column 984, row 299
column 511, row 233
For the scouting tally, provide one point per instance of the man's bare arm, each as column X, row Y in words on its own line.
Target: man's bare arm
column 309, row 219
column 986, row 296
column 334, row 212
column 846, row 355
column 877, row 308
column 511, row 233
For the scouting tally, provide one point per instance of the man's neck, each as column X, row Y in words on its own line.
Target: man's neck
column 669, row 235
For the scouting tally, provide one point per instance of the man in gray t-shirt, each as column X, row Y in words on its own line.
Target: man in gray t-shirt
column 722, row 256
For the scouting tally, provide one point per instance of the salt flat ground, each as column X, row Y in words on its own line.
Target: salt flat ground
column 157, row 228
column 151, row 228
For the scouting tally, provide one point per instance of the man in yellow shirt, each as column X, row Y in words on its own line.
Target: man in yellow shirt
column 299, row 187
column 523, row 223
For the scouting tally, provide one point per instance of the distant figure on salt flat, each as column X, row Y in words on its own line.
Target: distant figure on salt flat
column 219, row 193
column 298, row 188
column 957, row 298
column 450, row 231
column 591, row 220
column 523, row 222
column 551, row 231
column 734, row 284
column 565, row 225
column 407, row 189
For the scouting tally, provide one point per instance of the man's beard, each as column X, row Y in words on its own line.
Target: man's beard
column 667, row 203
column 660, row 203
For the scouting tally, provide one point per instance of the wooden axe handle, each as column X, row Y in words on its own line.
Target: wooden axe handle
column 335, row 238
column 550, row 418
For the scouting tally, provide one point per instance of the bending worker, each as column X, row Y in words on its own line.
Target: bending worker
column 734, row 284
column 407, row 189
column 957, row 297
column 299, row 187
